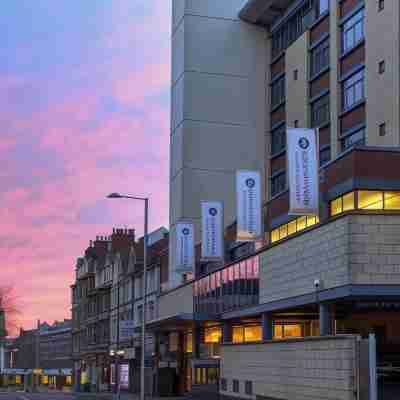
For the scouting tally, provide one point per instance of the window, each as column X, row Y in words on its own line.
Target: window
column 353, row 90
column 248, row 388
column 278, row 140
column 324, row 155
column 370, row 200
column 319, row 57
column 246, row 333
column 381, row 67
column 235, row 386
column 352, row 139
column 287, row 330
column 278, row 183
column 381, row 5
column 140, row 315
column 296, row 74
column 382, row 129
column 189, row 342
column 343, row 203
column 320, row 111
column 151, row 310
column 366, row 200
column 213, row 335
column 353, row 31
column 278, row 91
column 296, row 123
column 323, row 6
column 224, row 385
column 292, row 227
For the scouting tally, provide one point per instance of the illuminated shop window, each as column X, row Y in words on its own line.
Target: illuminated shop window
column 366, row 200
column 18, row 380
column 246, row 333
column 45, row 380
column 297, row 225
column 189, row 343
column 287, row 330
column 68, row 380
column 213, row 335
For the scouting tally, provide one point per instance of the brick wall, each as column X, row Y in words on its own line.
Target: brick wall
column 304, row 369
column 177, row 301
column 357, row 249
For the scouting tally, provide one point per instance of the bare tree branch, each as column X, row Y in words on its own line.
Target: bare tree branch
column 9, row 306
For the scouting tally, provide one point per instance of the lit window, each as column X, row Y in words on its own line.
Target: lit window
column 301, row 223
column 275, row 235
column 370, row 200
column 392, row 201
column 348, row 202
column 292, row 227
column 292, row 330
column 278, row 331
column 189, row 343
column 237, row 334
column 283, row 231
column 213, row 335
column 252, row 333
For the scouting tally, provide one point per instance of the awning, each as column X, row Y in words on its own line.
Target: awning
column 178, row 321
column 264, row 12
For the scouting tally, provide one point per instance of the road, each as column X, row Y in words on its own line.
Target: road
column 36, row 396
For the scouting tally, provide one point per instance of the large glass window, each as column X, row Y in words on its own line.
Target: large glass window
column 324, row 155
column 287, row 330
column 292, row 227
column 323, row 6
column 353, row 90
column 213, row 335
column 320, row 111
column 352, row 139
column 246, row 333
column 278, row 91
column 366, row 200
column 353, row 31
column 278, row 183
column 320, row 57
column 278, row 140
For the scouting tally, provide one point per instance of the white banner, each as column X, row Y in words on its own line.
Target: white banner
column 212, row 225
column 248, row 193
column 126, row 328
column 185, row 247
column 302, row 156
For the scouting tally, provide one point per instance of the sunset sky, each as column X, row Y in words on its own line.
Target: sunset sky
column 84, row 92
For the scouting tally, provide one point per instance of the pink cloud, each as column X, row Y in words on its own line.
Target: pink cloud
column 100, row 151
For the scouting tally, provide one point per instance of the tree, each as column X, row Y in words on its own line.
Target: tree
column 8, row 310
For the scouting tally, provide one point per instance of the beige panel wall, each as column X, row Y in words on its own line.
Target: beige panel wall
column 178, row 301
column 375, row 249
column 334, row 40
column 354, row 249
column 313, row 368
column 382, row 90
column 296, row 58
column 218, row 107
column 290, row 268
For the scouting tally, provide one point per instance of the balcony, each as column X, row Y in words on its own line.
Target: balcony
column 264, row 12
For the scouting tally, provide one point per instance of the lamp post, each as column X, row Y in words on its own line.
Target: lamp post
column 145, row 238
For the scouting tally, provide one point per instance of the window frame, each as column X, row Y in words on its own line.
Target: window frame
column 278, row 140
column 276, row 176
column 318, row 107
column 278, row 91
column 351, row 134
column 349, row 27
column 319, row 57
column 350, row 85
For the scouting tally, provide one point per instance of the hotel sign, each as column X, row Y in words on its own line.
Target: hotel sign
column 248, row 199
column 212, row 223
column 185, row 247
column 302, row 156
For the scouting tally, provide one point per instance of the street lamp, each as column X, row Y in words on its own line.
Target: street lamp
column 145, row 239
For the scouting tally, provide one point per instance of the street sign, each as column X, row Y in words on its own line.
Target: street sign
column 126, row 330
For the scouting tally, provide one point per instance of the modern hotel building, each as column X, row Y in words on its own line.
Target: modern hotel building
column 291, row 317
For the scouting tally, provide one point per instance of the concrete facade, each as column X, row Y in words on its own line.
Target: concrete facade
column 354, row 249
column 178, row 301
column 317, row 368
column 218, row 97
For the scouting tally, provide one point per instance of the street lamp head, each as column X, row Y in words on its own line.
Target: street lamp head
column 114, row 196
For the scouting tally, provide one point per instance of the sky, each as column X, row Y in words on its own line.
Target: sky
column 84, row 97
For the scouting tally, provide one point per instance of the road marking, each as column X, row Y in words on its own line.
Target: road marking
column 22, row 397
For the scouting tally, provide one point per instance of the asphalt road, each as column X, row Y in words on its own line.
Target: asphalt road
column 36, row 396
